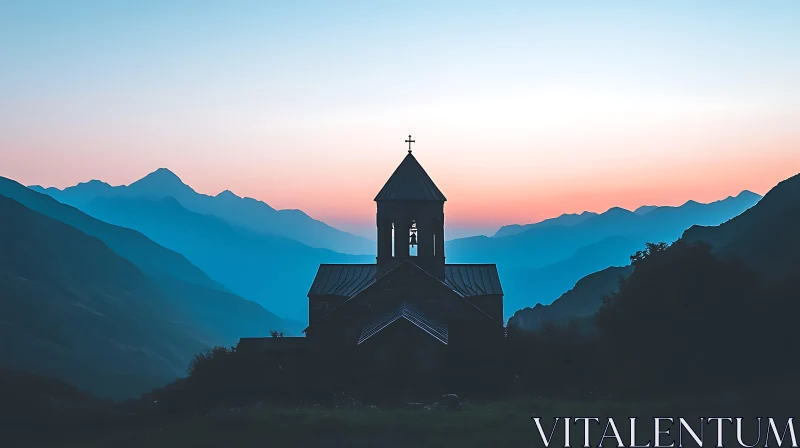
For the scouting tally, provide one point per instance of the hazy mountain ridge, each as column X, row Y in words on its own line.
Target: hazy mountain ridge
column 272, row 270
column 68, row 295
column 544, row 260
column 570, row 219
column 132, row 245
column 763, row 236
column 566, row 219
column 245, row 212
column 583, row 300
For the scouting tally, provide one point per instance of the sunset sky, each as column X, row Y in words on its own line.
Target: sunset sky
column 521, row 110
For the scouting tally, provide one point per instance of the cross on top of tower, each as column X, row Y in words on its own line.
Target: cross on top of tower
column 409, row 141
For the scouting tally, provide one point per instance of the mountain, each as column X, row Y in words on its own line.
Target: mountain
column 272, row 270
column 645, row 209
column 567, row 219
column 541, row 261
column 74, row 309
column 583, row 300
column 245, row 212
column 151, row 258
column 711, row 210
column 545, row 284
column 764, row 236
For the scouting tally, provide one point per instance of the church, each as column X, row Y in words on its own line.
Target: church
column 410, row 311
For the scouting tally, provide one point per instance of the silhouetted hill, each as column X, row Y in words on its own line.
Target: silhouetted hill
column 38, row 402
column 150, row 257
column 583, row 300
column 74, row 309
column 272, row 270
column 765, row 236
column 536, row 264
column 91, row 317
column 248, row 213
column 547, row 283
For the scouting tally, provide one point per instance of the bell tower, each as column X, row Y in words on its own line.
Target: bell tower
column 410, row 219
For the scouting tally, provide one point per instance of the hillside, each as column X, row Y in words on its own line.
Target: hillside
column 764, row 236
column 73, row 309
column 151, row 258
column 581, row 301
column 272, row 270
column 189, row 286
column 538, row 262
column 248, row 213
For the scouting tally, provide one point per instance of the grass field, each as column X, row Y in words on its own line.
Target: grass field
column 499, row 424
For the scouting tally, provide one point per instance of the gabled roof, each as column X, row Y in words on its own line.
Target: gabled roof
column 347, row 280
column 408, row 312
column 344, row 280
column 459, row 281
column 473, row 279
column 410, row 182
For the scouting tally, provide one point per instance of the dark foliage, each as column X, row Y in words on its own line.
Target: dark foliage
column 685, row 321
column 682, row 319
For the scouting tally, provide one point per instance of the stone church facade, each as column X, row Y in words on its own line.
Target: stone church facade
column 410, row 313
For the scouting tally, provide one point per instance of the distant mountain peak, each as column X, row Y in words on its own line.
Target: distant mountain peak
column 228, row 194
column 161, row 182
column 164, row 174
column 94, row 182
column 747, row 194
column 617, row 210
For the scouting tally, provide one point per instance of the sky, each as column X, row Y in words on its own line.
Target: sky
column 520, row 110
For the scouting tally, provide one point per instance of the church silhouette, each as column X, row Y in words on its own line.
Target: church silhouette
column 410, row 312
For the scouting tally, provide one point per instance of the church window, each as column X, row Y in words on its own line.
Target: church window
column 412, row 239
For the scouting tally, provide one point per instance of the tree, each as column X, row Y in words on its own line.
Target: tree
column 680, row 318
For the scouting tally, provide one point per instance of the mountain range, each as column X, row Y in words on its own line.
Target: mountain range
column 271, row 270
column 249, row 248
column 580, row 302
column 764, row 236
column 115, row 297
column 74, row 309
column 244, row 212
column 538, row 262
column 103, row 306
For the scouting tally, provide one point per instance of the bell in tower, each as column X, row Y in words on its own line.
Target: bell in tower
column 410, row 200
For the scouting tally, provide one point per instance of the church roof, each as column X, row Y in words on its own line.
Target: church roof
column 347, row 280
column 342, row 279
column 410, row 182
column 408, row 312
column 473, row 279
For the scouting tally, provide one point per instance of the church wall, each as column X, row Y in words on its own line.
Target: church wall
column 318, row 306
column 490, row 304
